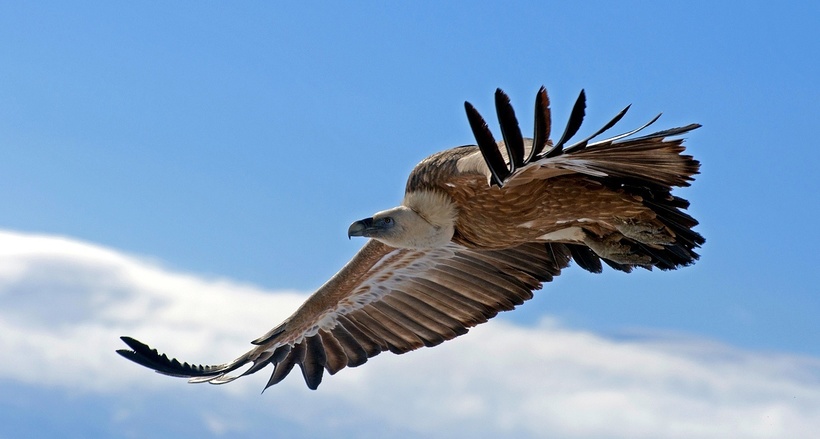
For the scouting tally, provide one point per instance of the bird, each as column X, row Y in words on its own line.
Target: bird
column 480, row 228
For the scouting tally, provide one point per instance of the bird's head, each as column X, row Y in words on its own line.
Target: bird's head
column 420, row 222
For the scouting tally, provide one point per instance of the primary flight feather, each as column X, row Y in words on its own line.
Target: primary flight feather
column 480, row 228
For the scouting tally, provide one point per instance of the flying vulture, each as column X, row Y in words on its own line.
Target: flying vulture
column 480, row 228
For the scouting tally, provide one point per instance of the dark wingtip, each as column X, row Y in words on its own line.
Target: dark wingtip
column 583, row 143
column 541, row 125
column 146, row 356
column 668, row 133
column 510, row 131
column 576, row 117
column 143, row 355
column 313, row 363
column 628, row 133
column 486, row 144
column 138, row 347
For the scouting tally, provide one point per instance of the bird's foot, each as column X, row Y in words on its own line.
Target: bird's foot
column 645, row 233
column 611, row 248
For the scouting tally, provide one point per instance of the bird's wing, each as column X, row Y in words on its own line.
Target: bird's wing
column 646, row 167
column 384, row 299
column 650, row 159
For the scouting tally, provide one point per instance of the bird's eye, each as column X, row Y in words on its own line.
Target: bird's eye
column 387, row 220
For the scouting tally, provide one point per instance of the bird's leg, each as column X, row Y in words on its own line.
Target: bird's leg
column 644, row 232
column 610, row 247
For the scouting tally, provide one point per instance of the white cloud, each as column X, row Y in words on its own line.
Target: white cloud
column 64, row 302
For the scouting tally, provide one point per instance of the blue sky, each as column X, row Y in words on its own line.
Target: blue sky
column 233, row 145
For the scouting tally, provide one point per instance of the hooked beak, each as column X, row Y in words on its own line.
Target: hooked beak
column 361, row 228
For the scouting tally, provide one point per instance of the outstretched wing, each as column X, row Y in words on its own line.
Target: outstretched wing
column 646, row 167
column 383, row 299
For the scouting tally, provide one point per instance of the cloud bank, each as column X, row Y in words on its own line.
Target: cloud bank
column 64, row 303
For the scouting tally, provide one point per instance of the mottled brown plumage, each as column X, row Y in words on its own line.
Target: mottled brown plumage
column 476, row 234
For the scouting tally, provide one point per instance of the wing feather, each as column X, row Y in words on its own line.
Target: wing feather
column 437, row 317
column 451, row 307
column 510, row 131
column 513, row 288
column 357, row 341
column 542, row 124
column 585, row 258
column 440, row 291
column 335, row 356
column 382, row 326
column 576, row 117
column 404, row 325
column 313, row 361
column 283, row 367
column 434, row 330
column 477, row 289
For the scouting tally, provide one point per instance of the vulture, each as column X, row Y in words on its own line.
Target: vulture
column 479, row 229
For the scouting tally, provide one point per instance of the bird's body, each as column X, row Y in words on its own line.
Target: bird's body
column 480, row 228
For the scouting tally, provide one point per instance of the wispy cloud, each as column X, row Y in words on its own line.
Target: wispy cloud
column 64, row 302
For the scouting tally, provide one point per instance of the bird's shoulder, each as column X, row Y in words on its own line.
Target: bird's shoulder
column 444, row 167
